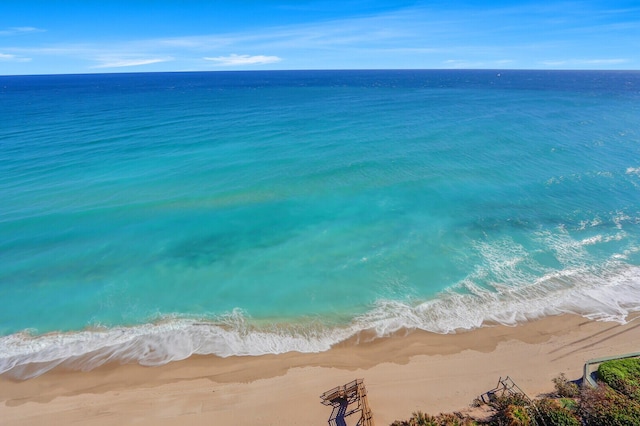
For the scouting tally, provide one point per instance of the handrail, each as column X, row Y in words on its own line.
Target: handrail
column 352, row 394
column 586, row 373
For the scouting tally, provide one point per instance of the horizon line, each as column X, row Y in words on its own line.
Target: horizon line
column 322, row 69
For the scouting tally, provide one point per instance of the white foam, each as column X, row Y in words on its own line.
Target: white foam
column 155, row 344
column 610, row 297
column 610, row 294
column 507, row 287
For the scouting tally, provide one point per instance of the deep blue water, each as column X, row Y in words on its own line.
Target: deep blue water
column 147, row 217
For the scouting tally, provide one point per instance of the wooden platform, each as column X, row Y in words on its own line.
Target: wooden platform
column 346, row 400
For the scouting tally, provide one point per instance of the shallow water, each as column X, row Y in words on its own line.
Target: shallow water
column 147, row 217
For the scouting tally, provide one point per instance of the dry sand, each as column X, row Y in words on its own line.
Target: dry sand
column 418, row 371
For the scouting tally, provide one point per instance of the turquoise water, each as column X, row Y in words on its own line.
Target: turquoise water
column 148, row 217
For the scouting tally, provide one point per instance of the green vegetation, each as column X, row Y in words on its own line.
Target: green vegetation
column 565, row 388
column 553, row 412
column 614, row 402
column 421, row 419
column 517, row 410
column 517, row 416
column 622, row 375
column 603, row 406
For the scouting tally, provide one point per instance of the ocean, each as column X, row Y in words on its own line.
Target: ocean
column 145, row 218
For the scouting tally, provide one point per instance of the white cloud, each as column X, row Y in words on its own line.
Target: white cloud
column 461, row 63
column 119, row 63
column 605, row 61
column 407, row 38
column 554, row 63
column 13, row 58
column 20, row 30
column 578, row 62
column 234, row 60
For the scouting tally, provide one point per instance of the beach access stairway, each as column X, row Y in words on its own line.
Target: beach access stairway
column 347, row 400
column 505, row 387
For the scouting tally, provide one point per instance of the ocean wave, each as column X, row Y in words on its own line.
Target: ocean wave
column 609, row 294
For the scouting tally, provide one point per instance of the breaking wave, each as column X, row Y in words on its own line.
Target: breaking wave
column 611, row 294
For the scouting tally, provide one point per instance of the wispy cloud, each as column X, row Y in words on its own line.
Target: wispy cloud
column 462, row 63
column 119, row 63
column 397, row 29
column 20, row 30
column 407, row 37
column 605, row 61
column 235, row 60
column 580, row 62
column 13, row 58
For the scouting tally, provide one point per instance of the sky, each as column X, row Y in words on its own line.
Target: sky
column 103, row 36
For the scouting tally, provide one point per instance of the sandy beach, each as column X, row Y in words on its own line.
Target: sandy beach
column 404, row 373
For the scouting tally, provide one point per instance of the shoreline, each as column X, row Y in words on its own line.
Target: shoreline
column 407, row 372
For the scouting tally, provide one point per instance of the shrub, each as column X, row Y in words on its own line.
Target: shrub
column 511, row 410
column 422, row 419
column 622, row 375
column 514, row 415
column 603, row 406
column 565, row 388
column 550, row 412
column 502, row 402
column 455, row 419
column 417, row 419
column 569, row 403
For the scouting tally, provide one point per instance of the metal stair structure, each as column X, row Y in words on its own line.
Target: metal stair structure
column 347, row 400
column 506, row 386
